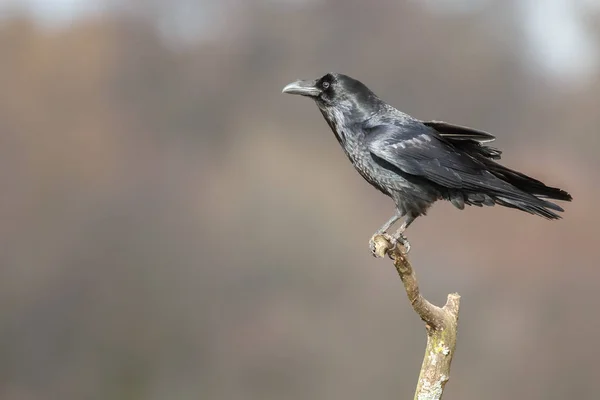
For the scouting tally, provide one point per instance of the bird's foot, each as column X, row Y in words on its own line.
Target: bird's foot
column 380, row 244
column 383, row 243
column 400, row 238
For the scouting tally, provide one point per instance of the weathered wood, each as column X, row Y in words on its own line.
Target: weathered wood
column 441, row 324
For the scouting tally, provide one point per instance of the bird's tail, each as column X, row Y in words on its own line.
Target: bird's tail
column 531, row 194
column 541, row 207
column 528, row 184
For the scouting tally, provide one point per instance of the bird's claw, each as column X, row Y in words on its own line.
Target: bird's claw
column 373, row 246
column 404, row 242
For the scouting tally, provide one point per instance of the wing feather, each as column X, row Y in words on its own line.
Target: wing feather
column 421, row 152
column 458, row 132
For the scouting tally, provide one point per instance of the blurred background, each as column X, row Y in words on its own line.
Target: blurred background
column 173, row 227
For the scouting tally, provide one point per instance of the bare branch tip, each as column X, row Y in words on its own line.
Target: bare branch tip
column 453, row 303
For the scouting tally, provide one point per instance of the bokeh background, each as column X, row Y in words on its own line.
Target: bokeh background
column 173, row 227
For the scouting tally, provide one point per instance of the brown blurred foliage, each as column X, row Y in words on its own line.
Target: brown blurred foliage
column 174, row 228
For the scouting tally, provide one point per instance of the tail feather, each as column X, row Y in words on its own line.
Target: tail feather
column 528, row 184
column 531, row 208
column 505, row 187
column 528, row 194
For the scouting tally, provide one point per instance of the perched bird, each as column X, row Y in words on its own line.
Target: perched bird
column 418, row 162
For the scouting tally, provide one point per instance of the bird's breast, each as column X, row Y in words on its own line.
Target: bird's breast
column 360, row 157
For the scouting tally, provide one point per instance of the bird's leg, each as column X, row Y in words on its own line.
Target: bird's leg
column 384, row 229
column 399, row 235
column 387, row 225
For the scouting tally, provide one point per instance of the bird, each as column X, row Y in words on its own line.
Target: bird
column 417, row 163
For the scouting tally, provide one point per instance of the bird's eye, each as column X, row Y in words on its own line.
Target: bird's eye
column 325, row 85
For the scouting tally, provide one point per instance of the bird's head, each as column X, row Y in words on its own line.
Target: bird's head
column 338, row 94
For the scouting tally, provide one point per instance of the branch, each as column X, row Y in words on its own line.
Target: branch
column 441, row 324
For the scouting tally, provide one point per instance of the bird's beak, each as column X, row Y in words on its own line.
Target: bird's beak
column 303, row 88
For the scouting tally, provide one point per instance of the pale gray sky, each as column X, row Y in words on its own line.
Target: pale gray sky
column 558, row 37
column 51, row 10
column 558, row 42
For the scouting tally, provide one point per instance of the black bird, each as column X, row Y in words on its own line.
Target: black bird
column 419, row 162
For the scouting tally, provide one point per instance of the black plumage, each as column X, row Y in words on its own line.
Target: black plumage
column 419, row 162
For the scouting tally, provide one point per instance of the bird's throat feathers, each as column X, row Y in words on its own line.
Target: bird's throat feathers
column 336, row 121
column 342, row 114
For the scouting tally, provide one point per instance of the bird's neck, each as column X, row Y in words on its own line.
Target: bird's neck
column 345, row 122
column 350, row 111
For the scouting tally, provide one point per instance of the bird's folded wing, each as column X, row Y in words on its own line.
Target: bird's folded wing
column 416, row 151
column 457, row 132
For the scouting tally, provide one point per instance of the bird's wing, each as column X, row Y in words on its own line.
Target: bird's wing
column 414, row 149
column 465, row 139
column 418, row 151
column 457, row 132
